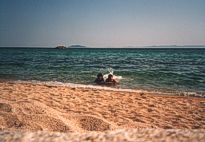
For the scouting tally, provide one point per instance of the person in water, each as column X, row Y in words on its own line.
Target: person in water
column 100, row 80
column 110, row 80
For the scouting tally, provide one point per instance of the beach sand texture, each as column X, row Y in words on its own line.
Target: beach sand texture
column 119, row 135
column 36, row 107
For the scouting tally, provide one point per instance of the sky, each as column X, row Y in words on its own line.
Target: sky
column 101, row 23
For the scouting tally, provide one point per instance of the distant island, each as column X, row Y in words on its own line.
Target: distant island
column 77, row 46
column 72, row 46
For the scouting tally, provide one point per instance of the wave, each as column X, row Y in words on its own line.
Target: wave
column 73, row 85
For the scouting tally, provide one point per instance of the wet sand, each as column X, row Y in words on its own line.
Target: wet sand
column 31, row 107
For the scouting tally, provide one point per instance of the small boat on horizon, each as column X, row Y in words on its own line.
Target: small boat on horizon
column 60, row 47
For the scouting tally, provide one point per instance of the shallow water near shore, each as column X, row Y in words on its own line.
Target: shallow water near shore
column 167, row 70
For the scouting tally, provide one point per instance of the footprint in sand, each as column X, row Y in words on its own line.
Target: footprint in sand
column 91, row 123
column 5, row 107
column 45, row 122
column 29, row 108
column 32, row 122
column 10, row 121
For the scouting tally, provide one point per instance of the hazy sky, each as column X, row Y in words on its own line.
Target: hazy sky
column 101, row 23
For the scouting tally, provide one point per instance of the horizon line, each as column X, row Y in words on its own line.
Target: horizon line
column 137, row 46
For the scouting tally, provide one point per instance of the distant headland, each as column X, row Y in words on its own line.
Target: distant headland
column 71, row 46
column 77, row 46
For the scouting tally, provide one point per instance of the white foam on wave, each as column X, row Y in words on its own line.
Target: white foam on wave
column 73, row 85
column 114, row 77
column 111, row 71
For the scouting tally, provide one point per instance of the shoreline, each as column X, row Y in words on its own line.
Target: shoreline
column 108, row 88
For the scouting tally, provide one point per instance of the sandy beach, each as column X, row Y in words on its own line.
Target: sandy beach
column 29, row 107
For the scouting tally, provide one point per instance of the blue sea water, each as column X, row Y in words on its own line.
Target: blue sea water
column 160, row 69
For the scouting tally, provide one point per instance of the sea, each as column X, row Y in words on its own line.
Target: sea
column 179, row 71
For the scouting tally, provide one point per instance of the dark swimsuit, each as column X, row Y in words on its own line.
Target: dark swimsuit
column 99, row 81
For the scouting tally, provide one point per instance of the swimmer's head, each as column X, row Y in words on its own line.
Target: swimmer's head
column 100, row 75
column 110, row 76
